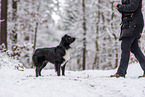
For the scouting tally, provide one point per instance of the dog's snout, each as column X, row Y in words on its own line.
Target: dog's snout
column 74, row 38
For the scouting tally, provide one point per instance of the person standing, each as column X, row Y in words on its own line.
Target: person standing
column 131, row 30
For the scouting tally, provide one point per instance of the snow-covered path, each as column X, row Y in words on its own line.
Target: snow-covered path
column 95, row 83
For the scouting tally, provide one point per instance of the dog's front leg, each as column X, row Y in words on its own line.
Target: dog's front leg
column 37, row 71
column 63, row 68
column 58, row 72
column 57, row 68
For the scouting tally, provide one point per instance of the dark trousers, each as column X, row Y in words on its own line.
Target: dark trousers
column 130, row 44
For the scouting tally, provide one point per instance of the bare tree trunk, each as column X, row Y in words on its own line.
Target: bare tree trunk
column 96, row 60
column 3, row 31
column 35, row 38
column 115, row 37
column 84, row 34
column 13, row 35
column 14, row 18
column 36, row 30
column 78, row 63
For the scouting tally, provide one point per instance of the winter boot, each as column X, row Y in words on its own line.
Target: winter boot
column 141, row 76
column 116, row 75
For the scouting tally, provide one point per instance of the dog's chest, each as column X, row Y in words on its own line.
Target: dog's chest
column 67, row 55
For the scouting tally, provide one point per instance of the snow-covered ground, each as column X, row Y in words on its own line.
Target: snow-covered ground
column 90, row 83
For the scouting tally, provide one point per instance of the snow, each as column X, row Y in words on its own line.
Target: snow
column 89, row 83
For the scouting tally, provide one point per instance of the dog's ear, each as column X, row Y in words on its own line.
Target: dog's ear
column 65, row 35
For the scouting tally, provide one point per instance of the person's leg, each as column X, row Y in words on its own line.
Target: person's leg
column 125, row 55
column 138, row 54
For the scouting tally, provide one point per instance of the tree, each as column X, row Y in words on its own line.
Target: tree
column 84, row 35
column 14, row 19
column 14, row 33
column 36, row 28
column 3, row 30
column 96, row 60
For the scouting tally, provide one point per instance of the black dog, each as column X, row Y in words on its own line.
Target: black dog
column 56, row 55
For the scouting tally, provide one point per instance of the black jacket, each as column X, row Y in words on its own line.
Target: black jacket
column 132, row 18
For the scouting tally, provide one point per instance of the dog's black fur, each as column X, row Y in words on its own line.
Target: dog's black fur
column 53, row 55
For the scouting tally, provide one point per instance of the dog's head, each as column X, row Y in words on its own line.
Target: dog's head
column 68, row 39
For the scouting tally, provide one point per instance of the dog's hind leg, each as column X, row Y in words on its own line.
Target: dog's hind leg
column 40, row 65
column 56, row 67
column 43, row 65
column 36, row 63
column 63, row 68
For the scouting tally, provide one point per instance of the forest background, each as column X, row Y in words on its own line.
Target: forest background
column 26, row 25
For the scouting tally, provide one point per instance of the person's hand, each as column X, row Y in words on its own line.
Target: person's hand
column 115, row 4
